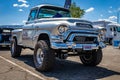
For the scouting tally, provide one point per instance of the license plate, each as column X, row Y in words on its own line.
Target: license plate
column 87, row 47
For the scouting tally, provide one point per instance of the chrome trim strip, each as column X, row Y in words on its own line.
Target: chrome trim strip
column 90, row 32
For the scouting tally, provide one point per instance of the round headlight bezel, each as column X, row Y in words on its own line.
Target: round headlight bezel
column 62, row 29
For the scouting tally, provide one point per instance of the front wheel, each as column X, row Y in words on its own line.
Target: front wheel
column 92, row 59
column 15, row 49
column 43, row 56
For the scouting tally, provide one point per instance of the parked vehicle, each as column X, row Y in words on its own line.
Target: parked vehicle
column 51, row 32
column 5, row 34
column 107, row 29
column 116, row 38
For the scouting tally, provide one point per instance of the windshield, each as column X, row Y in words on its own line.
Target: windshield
column 53, row 12
column 118, row 29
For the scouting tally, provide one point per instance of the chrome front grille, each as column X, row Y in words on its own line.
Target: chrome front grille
column 84, row 40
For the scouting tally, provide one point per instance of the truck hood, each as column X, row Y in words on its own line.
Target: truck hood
column 71, row 20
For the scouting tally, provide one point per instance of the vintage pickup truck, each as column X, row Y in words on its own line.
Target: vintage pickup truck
column 51, row 32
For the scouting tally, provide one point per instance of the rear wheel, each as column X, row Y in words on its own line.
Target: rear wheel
column 43, row 56
column 92, row 59
column 15, row 49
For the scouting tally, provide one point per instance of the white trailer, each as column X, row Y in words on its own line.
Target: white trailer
column 107, row 29
column 116, row 38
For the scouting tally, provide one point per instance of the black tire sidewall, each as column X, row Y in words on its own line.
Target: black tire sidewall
column 17, row 49
column 13, row 52
column 95, row 60
column 48, row 59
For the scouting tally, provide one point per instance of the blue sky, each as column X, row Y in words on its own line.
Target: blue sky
column 16, row 11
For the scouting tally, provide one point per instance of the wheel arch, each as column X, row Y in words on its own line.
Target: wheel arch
column 44, row 36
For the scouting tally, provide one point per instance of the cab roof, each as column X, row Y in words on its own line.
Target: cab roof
column 48, row 5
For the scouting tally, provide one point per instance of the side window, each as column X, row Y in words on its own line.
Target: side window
column 114, row 28
column 40, row 14
column 32, row 15
column 110, row 29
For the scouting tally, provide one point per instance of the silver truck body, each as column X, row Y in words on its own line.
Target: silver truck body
column 51, row 32
column 29, row 34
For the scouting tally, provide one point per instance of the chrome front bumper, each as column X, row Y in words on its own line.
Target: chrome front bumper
column 57, row 42
column 71, row 45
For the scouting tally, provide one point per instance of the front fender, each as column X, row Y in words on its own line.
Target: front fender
column 38, row 33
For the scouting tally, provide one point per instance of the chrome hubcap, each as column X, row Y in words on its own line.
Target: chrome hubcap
column 39, row 56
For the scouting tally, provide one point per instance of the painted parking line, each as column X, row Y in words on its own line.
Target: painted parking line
column 28, row 71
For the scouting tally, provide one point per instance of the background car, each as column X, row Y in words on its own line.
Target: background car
column 5, row 34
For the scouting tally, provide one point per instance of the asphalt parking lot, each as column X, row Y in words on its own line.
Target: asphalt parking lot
column 22, row 68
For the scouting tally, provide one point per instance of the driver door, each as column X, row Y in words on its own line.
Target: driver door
column 28, row 30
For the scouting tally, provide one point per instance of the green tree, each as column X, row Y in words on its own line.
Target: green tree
column 76, row 12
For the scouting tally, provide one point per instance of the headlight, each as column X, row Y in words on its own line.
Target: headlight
column 62, row 28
